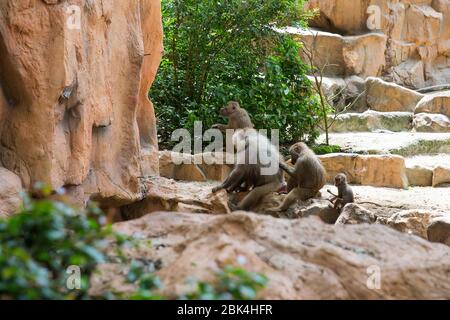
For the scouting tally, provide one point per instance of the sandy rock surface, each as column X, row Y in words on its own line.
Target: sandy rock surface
column 303, row 259
column 417, row 31
column 74, row 108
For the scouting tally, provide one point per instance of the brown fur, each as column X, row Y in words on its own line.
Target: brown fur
column 345, row 193
column 250, row 174
column 238, row 117
column 306, row 178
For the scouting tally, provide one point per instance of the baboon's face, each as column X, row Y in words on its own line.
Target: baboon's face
column 339, row 180
column 296, row 150
column 229, row 109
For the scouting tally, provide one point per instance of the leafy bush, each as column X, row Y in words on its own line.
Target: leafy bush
column 325, row 149
column 233, row 283
column 142, row 274
column 38, row 244
column 42, row 241
column 217, row 51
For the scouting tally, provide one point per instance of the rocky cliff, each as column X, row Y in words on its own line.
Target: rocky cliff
column 405, row 41
column 74, row 79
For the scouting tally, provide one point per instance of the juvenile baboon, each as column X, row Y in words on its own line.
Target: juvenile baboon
column 345, row 193
column 306, row 178
column 257, row 165
column 238, row 117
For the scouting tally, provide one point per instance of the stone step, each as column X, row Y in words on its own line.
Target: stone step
column 388, row 97
column 391, row 171
column 401, row 143
column 371, row 121
column 431, row 122
column 370, row 170
column 438, row 102
column 428, row 170
column 358, row 95
column 428, row 161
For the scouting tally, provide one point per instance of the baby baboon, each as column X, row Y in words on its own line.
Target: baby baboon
column 306, row 178
column 238, row 117
column 345, row 193
column 257, row 165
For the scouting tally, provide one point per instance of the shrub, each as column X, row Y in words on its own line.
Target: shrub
column 325, row 149
column 218, row 51
column 233, row 283
column 38, row 245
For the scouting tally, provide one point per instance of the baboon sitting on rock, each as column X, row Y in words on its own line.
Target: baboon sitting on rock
column 306, row 177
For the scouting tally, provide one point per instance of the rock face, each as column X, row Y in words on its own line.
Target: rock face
column 426, row 122
column 380, row 171
column 441, row 175
column 199, row 167
column 169, row 195
column 385, row 96
column 370, row 121
column 417, row 50
column 435, row 103
column 303, row 259
column 419, row 176
column 346, row 56
column 74, row 110
column 10, row 188
column 438, row 230
column 433, row 226
column 355, row 214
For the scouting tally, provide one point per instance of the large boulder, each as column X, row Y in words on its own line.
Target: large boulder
column 419, row 176
column 345, row 56
column 303, row 259
column 75, row 111
column 430, row 122
column 348, row 93
column 370, row 170
column 321, row 209
column 430, row 225
column 353, row 213
column 10, row 192
column 441, row 175
column 438, row 230
column 387, row 96
column 381, row 142
column 435, row 103
column 168, row 195
column 409, row 73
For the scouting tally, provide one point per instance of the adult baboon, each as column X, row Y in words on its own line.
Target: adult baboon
column 306, row 178
column 238, row 117
column 257, row 164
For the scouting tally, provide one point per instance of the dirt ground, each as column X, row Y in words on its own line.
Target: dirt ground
column 413, row 198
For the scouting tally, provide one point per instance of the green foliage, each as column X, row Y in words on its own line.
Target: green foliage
column 38, row 244
column 42, row 241
column 217, row 51
column 326, row 149
column 142, row 274
column 232, row 284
